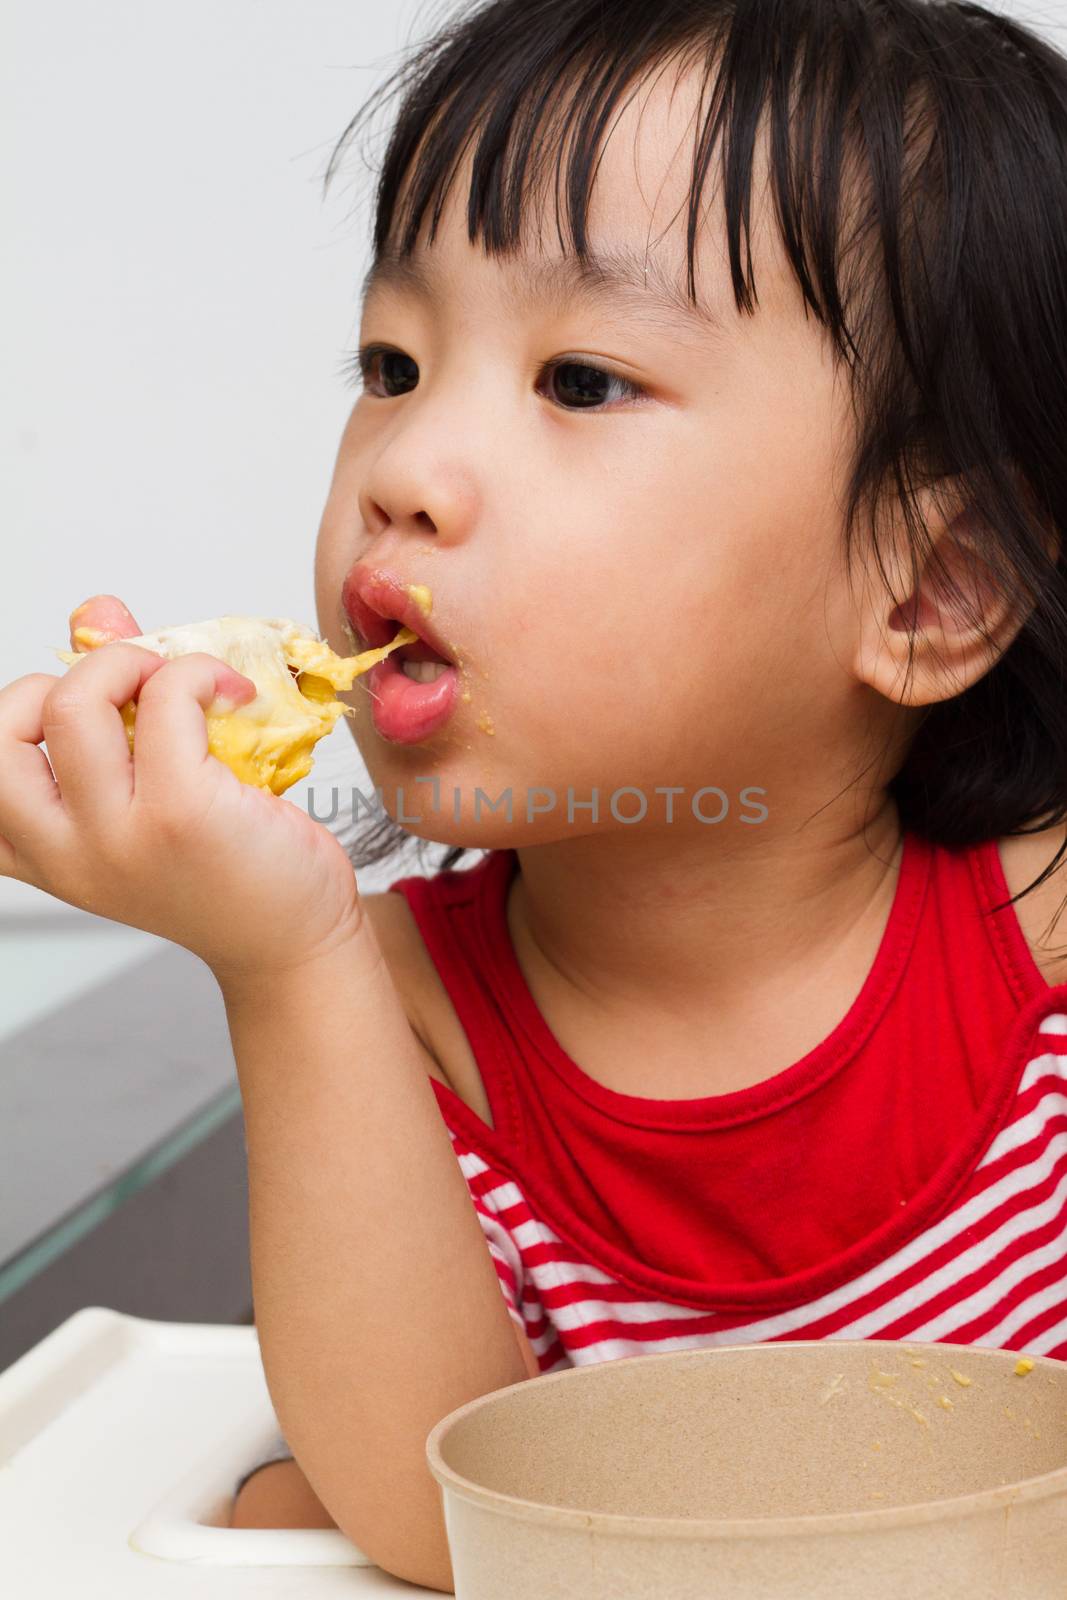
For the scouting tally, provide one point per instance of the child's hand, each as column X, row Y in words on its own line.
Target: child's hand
column 168, row 840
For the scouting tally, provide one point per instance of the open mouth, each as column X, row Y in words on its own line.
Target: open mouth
column 413, row 691
column 417, row 660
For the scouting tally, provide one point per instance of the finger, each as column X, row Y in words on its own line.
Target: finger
column 170, row 745
column 100, row 619
column 31, row 812
column 86, row 737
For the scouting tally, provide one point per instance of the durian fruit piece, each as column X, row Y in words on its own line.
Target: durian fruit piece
column 268, row 742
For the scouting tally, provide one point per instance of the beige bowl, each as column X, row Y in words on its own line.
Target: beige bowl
column 815, row 1470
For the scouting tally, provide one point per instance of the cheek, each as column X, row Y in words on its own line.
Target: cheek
column 650, row 637
column 329, row 553
column 328, row 579
column 336, row 549
column 338, row 543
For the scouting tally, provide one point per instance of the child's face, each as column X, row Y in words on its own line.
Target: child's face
column 646, row 590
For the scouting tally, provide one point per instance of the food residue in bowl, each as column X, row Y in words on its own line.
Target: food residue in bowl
column 881, row 1383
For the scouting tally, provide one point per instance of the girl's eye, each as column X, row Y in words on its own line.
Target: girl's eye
column 574, row 385
column 578, row 386
column 368, row 354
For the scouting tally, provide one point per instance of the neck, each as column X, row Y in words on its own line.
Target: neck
column 696, row 929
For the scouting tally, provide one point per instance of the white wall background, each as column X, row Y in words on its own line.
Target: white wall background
column 175, row 297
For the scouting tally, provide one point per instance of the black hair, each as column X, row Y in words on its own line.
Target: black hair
column 918, row 162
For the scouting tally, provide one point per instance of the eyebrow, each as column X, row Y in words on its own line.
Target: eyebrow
column 638, row 286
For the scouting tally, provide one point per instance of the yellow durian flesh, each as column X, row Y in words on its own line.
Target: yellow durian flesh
column 268, row 742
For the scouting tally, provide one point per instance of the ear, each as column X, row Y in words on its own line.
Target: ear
column 961, row 617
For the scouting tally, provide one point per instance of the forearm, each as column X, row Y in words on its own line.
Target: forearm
column 377, row 1303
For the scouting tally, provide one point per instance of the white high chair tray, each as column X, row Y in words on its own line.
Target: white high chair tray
column 121, row 1442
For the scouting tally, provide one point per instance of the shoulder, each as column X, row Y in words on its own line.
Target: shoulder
column 408, row 959
column 429, row 1008
column 1023, row 859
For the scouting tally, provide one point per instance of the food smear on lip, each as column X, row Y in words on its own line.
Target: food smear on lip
column 411, row 698
column 422, row 597
column 267, row 742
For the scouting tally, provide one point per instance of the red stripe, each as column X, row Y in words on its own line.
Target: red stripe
column 952, row 1249
column 1038, row 1324
column 576, row 1292
column 536, row 1326
column 549, row 1357
column 1023, row 1154
column 646, row 1332
column 506, row 1276
column 971, row 1332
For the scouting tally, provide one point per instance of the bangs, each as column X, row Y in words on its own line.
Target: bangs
column 531, row 107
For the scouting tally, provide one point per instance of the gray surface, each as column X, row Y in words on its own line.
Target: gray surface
column 55, row 952
column 176, row 1251
column 96, row 1085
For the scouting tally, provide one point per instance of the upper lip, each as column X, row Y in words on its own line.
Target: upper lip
column 373, row 598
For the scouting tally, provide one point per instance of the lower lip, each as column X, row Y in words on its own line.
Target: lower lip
column 406, row 711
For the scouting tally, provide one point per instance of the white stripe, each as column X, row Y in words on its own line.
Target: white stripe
column 583, row 1311
column 502, row 1195
column 614, row 1349
column 1025, row 1312
column 1047, row 1063
column 498, row 1255
column 959, row 1267
column 1023, row 1129
column 502, row 1246
column 580, row 1313
column 986, row 1299
column 1055, row 1023
column 1042, row 1343
column 911, row 1254
column 578, row 1316
column 471, row 1165
column 494, row 1229
column 534, row 1232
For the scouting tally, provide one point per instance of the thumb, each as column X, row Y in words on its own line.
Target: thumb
column 99, row 620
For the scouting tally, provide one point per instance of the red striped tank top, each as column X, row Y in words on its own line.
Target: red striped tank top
column 906, row 1179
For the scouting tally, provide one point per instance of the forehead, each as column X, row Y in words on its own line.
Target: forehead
column 616, row 279
column 637, row 221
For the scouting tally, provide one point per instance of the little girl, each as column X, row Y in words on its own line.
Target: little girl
column 713, row 403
